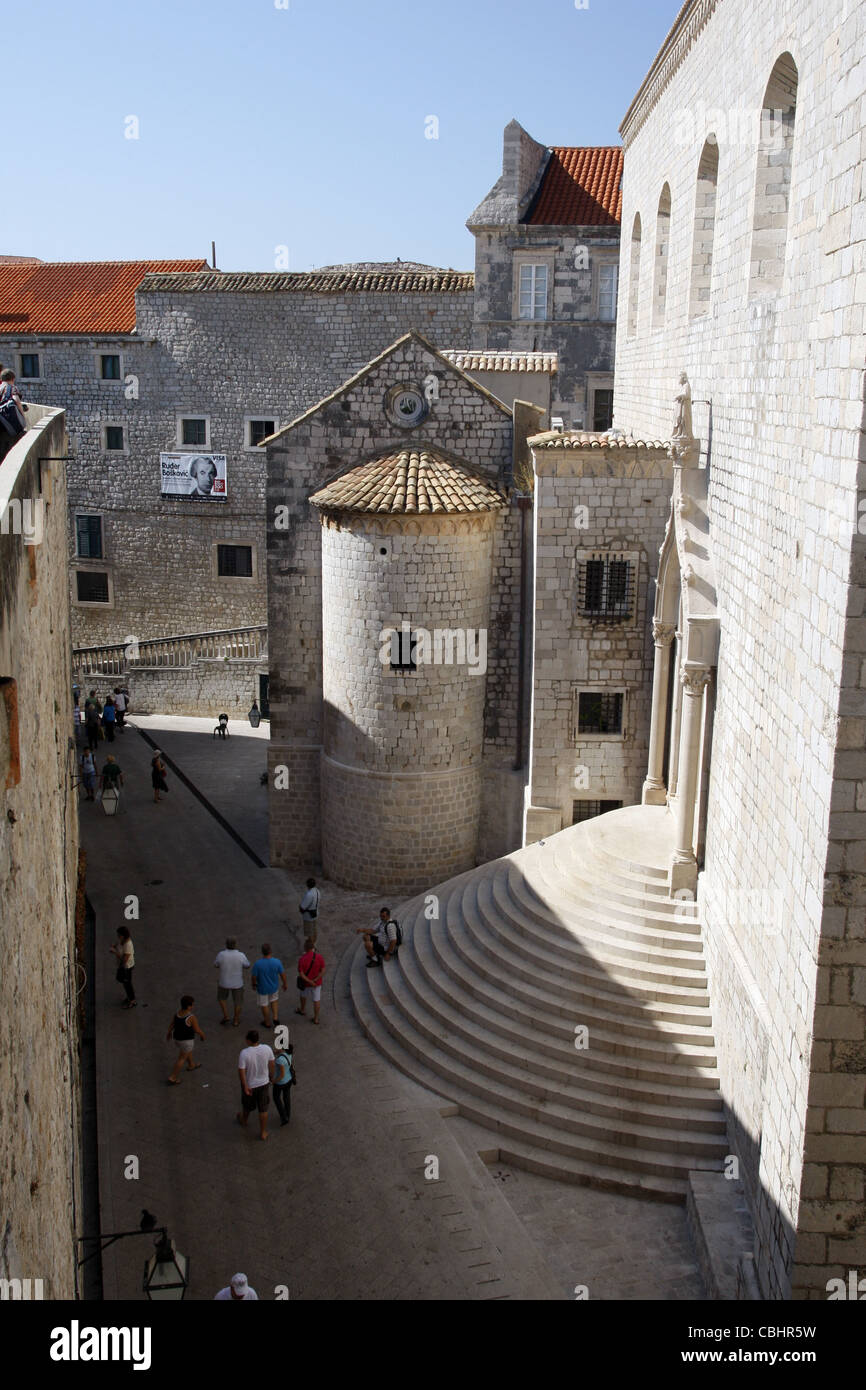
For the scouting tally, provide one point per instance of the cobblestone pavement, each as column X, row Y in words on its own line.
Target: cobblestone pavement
column 336, row 1205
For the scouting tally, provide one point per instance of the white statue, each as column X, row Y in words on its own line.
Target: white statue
column 683, row 417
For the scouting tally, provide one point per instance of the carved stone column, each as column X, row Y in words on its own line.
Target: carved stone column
column 674, row 755
column 654, row 785
column 684, row 866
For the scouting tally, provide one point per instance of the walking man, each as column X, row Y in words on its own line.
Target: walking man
column 256, row 1071
column 284, row 1080
column 231, row 963
column 267, row 975
column 91, row 722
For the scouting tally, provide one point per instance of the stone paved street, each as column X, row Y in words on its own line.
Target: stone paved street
column 336, row 1206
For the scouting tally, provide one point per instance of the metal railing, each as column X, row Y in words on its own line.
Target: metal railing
column 182, row 650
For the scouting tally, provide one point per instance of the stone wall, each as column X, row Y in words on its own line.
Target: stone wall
column 591, row 502
column 225, row 355
column 40, row 1106
column 573, row 330
column 345, row 431
column 782, row 368
column 203, row 688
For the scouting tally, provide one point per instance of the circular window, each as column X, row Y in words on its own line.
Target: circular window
column 406, row 406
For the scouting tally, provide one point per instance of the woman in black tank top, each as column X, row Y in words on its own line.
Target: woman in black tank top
column 184, row 1030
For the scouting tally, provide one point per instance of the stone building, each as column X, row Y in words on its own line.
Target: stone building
column 41, row 979
column 546, row 267
column 170, row 361
column 743, row 264
column 391, row 509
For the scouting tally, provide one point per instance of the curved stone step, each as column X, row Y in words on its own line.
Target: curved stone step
column 546, row 1067
column 594, row 940
column 499, row 1107
column 573, row 895
column 524, row 946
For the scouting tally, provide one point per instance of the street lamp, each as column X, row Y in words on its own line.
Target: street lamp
column 255, row 715
column 110, row 798
column 166, row 1273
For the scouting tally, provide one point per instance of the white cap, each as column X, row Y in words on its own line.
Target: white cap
column 240, row 1285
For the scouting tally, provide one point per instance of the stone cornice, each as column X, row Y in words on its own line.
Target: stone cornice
column 687, row 26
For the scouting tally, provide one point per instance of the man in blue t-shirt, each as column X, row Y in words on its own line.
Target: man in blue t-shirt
column 266, row 976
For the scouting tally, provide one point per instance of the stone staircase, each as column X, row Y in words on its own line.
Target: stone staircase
column 576, row 932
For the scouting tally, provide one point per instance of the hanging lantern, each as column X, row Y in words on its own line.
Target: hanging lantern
column 255, row 715
column 166, row 1273
column 110, row 798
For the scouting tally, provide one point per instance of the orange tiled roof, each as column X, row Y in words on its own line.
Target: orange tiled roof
column 409, row 481
column 581, row 187
column 75, row 296
column 327, row 281
column 589, row 439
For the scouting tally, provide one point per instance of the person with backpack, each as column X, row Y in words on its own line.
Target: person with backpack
column 285, row 1078
column 309, row 909
column 311, row 969
column 382, row 941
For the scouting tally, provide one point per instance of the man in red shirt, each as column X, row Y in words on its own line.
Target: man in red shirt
column 311, row 969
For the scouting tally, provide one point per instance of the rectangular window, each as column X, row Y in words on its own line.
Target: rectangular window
column 193, row 431
column 605, row 588
column 114, row 436
column 602, row 409
column 92, row 586
column 607, row 282
column 235, row 561
column 599, row 712
column 29, row 366
column 88, row 537
column 533, row 292
column 259, row 430
column 588, row 810
column 109, row 367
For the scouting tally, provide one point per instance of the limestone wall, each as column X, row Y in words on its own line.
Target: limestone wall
column 40, row 1163
column 584, row 343
column 586, row 505
column 224, row 356
column 417, row 825
column 348, row 430
column 781, row 364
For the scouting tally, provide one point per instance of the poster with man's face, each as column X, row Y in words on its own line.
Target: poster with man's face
column 197, row 477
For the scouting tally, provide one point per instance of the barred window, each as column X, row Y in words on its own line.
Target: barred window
column 605, row 588
column 92, row 586
column 193, row 431
column 259, row 430
column 599, row 712
column 588, row 810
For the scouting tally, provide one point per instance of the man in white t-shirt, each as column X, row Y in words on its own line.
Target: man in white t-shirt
column 309, row 907
column 256, row 1069
column 231, row 963
column 381, row 941
column 238, row 1290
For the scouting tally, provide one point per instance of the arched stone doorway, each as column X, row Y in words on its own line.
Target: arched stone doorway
column 686, row 637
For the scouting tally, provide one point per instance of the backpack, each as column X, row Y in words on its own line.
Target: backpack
column 399, row 941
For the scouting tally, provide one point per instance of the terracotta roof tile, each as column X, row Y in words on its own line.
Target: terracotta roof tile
column 412, row 482
column 580, row 439
column 581, row 187
column 75, row 296
column 313, row 281
column 492, row 361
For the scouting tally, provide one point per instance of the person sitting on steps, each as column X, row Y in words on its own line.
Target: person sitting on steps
column 382, row 941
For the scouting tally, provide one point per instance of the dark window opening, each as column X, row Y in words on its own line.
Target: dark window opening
column 235, row 561
column 599, row 713
column 29, row 365
column 588, row 810
column 88, row 537
column 403, row 646
column 602, row 409
column 92, row 586
column 114, row 436
column 259, row 430
column 109, row 367
column 194, row 431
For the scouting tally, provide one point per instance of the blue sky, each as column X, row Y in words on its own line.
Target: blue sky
column 302, row 127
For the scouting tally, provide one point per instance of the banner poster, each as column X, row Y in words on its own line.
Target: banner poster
column 196, row 477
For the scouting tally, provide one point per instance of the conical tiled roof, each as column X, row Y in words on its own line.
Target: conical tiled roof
column 420, row 481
